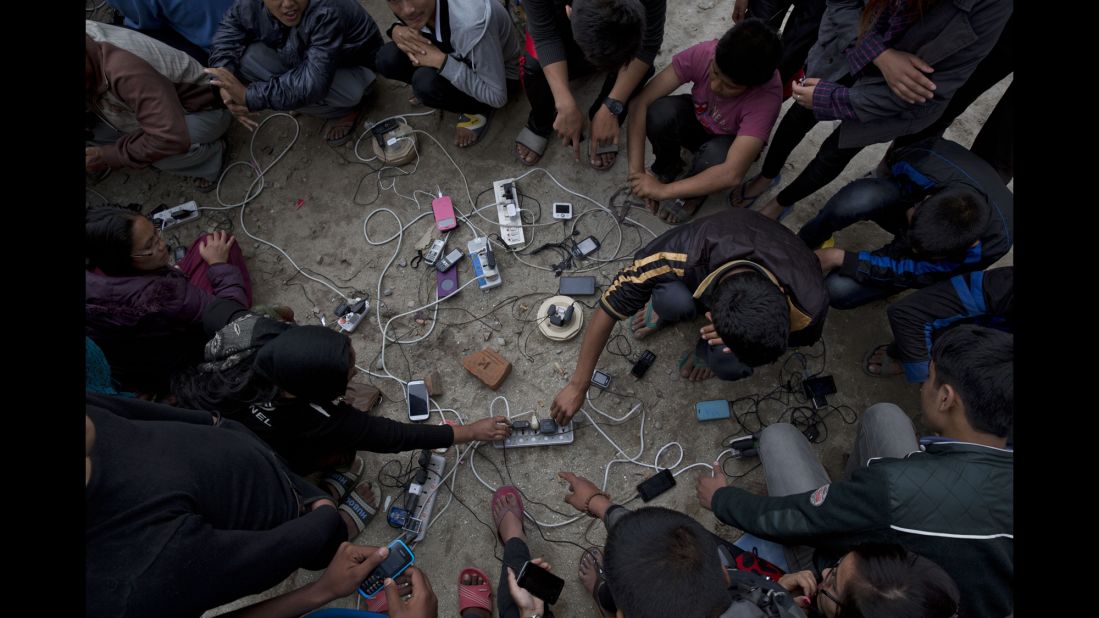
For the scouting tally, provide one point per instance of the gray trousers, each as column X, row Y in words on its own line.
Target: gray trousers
column 260, row 63
column 790, row 467
column 673, row 302
column 202, row 160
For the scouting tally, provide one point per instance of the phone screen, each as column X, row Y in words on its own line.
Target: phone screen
column 586, row 246
column 540, row 582
column 417, row 401
column 562, row 208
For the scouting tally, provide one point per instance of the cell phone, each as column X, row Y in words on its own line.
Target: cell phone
column 446, row 283
column 600, row 379
column 576, row 286
column 416, row 392
column 655, row 485
column 562, row 210
column 400, row 558
column 712, row 410
column 445, row 263
column 586, row 247
column 444, row 213
column 816, row 390
column 540, row 582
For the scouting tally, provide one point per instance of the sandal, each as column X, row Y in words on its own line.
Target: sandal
column 699, row 363
column 474, row 596
column 887, row 367
column 359, row 509
column 594, row 556
column 498, row 514
column 349, row 121
column 533, row 142
column 738, row 198
column 475, row 123
column 681, row 209
column 602, row 150
column 339, row 483
column 648, row 321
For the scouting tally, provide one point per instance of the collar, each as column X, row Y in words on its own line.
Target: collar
column 955, row 445
column 798, row 318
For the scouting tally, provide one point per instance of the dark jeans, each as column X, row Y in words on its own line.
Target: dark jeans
column 176, row 40
column 543, row 109
column 995, row 142
column 868, row 199
column 670, row 124
column 516, row 553
column 825, row 167
column 431, row 88
column 800, row 33
column 673, row 302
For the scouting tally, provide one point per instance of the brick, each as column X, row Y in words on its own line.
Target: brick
column 488, row 366
column 434, row 383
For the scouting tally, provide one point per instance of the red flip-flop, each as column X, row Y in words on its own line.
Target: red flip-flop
column 519, row 510
column 474, row 596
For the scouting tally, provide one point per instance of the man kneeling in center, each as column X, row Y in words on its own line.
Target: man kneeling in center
column 760, row 288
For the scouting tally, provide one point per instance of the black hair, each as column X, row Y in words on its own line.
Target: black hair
column 891, row 581
column 609, row 32
column 662, row 563
column 109, row 238
column 749, row 53
column 752, row 317
column 978, row 363
column 228, row 391
column 948, row 222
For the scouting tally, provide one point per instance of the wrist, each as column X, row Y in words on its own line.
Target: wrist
column 588, row 508
column 599, row 505
column 462, row 433
column 215, row 261
column 566, row 104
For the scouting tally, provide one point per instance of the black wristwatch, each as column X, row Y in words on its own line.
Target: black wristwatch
column 616, row 107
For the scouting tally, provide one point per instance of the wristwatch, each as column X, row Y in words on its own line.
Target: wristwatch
column 616, row 107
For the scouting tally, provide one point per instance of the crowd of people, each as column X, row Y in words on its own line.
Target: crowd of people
column 222, row 437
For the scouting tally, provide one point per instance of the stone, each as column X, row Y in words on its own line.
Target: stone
column 488, row 366
column 434, row 383
column 500, row 341
column 402, row 263
column 387, row 292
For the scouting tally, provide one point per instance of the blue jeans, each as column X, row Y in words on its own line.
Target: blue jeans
column 673, row 302
column 882, row 201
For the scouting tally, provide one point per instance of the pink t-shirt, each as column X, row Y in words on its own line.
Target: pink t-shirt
column 752, row 113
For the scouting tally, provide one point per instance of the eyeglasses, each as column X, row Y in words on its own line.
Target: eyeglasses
column 830, row 582
column 157, row 241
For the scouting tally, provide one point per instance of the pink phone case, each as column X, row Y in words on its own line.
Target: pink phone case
column 444, row 213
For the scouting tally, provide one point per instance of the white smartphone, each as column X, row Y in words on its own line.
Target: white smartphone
column 416, row 394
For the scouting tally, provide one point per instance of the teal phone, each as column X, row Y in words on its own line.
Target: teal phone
column 712, row 410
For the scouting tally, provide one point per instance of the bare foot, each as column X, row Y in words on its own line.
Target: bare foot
column 464, row 137
column 601, row 161
column 511, row 526
column 772, row 210
column 640, row 330
column 473, row 579
column 526, row 155
column 879, row 363
column 693, row 373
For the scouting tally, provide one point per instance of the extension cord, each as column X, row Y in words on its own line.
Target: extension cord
column 507, row 210
column 174, row 216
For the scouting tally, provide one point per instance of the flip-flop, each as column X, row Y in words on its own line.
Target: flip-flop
column 334, row 123
column 477, row 123
column 887, row 368
column 745, row 201
column 474, row 596
column 678, row 208
column 602, row 150
column 534, row 142
column 518, row 509
column 596, row 556
column 359, row 509
column 699, row 363
column 649, row 323
column 338, row 483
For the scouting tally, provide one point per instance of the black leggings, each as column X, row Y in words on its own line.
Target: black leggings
column 825, row 167
column 516, row 553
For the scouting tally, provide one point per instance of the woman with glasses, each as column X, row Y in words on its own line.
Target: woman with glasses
column 143, row 310
column 876, row 580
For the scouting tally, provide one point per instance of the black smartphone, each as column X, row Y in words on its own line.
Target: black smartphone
column 540, row 582
column 816, row 390
column 586, row 247
column 656, row 484
column 577, row 286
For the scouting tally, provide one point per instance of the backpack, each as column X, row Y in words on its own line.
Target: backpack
column 755, row 596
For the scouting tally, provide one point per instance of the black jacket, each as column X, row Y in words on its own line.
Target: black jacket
column 700, row 252
column 953, row 504
column 938, row 163
column 331, row 34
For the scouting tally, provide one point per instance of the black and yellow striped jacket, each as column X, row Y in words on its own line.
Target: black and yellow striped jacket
column 700, row 252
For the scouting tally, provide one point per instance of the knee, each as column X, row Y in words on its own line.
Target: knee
column 388, row 60
column 885, row 414
column 673, row 303
column 859, row 199
column 712, row 153
column 425, row 82
column 732, row 372
column 660, row 115
column 779, row 437
column 842, row 291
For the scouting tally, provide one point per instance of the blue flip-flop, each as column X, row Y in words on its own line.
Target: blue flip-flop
column 747, row 202
column 648, row 319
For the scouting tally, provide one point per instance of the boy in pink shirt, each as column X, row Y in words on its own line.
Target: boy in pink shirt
column 725, row 120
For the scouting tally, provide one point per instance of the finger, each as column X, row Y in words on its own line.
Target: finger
column 229, row 243
column 716, row 467
column 368, row 561
column 921, row 65
column 391, row 595
column 576, row 147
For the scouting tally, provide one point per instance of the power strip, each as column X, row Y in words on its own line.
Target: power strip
column 520, row 438
column 507, row 211
column 487, row 274
column 416, row 525
column 174, row 216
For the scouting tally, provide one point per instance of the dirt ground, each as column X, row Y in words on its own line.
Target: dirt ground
column 313, row 205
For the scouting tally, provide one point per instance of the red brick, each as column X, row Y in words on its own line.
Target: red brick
column 488, row 366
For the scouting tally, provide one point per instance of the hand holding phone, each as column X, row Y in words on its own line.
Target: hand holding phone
column 535, row 586
column 400, row 558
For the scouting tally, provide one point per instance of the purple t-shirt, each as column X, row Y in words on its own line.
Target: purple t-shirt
column 752, row 113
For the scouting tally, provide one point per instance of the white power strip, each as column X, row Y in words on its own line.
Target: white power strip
column 174, row 216
column 507, row 211
column 421, row 514
column 532, row 437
